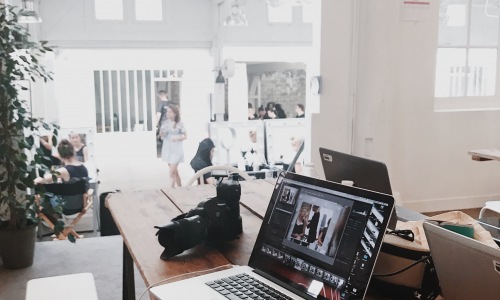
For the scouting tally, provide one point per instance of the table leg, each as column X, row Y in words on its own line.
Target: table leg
column 128, row 275
column 95, row 206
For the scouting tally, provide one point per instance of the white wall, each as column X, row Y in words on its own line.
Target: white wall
column 187, row 23
column 426, row 151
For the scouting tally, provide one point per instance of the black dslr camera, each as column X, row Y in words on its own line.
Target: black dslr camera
column 215, row 220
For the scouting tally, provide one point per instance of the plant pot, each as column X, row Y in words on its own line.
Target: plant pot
column 17, row 247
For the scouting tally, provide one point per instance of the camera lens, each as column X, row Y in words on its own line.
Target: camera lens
column 180, row 235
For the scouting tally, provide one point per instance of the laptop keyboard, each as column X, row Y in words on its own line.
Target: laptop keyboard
column 244, row 286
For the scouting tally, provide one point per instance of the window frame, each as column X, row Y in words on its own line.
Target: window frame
column 468, row 103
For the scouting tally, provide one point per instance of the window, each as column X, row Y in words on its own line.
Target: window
column 148, row 10
column 279, row 14
column 125, row 99
column 466, row 64
column 108, row 9
column 307, row 12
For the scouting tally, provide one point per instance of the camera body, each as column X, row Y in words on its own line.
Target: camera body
column 214, row 220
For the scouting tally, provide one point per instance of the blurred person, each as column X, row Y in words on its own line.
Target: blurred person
column 72, row 166
column 203, row 158
column 280, row 113
column 173, row 133
column 269, row 108
column 251, row 112
column 295, row 143
column 81, row 150
column 261, row 112
column 161, row 108
column 270, row 114
column 161, row 114
column 73, row 169
column 47, row 149
column 300, row 110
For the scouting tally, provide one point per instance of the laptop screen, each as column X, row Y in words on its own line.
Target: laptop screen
column 320, row 238
column 365, row 173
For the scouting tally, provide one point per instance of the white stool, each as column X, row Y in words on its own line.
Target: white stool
column 74, row 286
column 490, row 205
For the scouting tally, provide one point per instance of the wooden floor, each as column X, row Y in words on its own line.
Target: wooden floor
column 473, row 212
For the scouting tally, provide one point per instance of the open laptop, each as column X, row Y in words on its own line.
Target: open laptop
column 466, row 268
column 336, row 263
column 364, row 173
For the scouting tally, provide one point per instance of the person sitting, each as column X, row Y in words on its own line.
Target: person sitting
column 251, row 112
column 300, row 110
column 269, row 110
column 72, row 166
column 73, row 170
column 261, row 112
column 270, row 114
column 280, row 113
column 203, row 159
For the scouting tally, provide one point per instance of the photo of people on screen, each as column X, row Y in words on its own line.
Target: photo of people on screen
column 288, row 196
column 317, row 228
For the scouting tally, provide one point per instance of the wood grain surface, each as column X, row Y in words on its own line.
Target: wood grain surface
column 136, row 214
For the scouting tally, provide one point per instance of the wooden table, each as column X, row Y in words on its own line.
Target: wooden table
column 136, row 214
column 485, row 154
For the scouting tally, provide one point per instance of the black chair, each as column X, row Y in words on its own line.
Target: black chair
column 76, row 200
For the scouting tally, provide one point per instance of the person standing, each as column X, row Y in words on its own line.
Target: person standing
column 161, row 113
column 161, row 108
column 46, row 146
column 313, row 225
column 81, row 150
column 173, row 133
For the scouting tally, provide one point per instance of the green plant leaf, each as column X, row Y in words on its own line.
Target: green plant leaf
column 71, row 238
column 18, row 168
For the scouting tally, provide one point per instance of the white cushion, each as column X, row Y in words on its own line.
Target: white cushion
column 79, row 286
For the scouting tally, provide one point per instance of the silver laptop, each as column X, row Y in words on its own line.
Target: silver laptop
column 466, row 268
column 318, row 240
column 364, row 173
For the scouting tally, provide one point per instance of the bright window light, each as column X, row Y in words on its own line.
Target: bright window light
column 108, row 9
column 467, row 54
column 307, row 13
column 280, row 14
column 456, row 14
column 148, row 10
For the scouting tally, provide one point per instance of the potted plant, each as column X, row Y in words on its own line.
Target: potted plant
column 20, row 159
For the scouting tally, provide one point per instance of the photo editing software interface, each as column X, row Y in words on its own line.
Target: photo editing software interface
column 320, row 241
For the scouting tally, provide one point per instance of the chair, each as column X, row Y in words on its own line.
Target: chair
column 490, row 205
column 205, row 170
column 77, row 200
